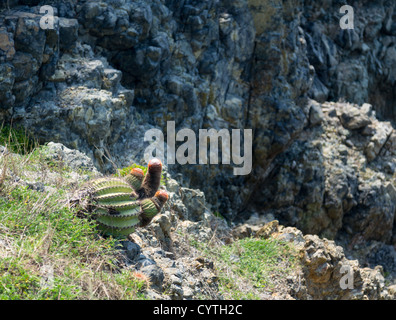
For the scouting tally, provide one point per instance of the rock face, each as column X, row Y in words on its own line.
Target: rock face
column 327, row 274
column 337, row 181
column 356, row 64
column 337, row 175
column 72, row 158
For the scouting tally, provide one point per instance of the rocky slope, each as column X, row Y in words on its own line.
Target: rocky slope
column 171, row 253
column 110, row 70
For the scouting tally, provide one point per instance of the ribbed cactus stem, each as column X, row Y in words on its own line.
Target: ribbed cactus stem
column 121, row 204
column 135, row 178
column 152, row 179
column 112, row 189
column 115, row 231
column 150, row 207
column 116, row 223
column 114, row 197
column 107, row 182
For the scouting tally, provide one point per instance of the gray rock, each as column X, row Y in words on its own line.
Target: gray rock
column 7, row 45
column 194, row 200
column 338, row 56
column 324, row 271
column 143, row 261
column 25, row 66
column 315, row 114
column 352, row 118
column 68, row 33
column 318, row 91
column 7, row 77
column 381, row 134
column 154, row 274
column 132, row 250
column 72, row 158
column 373, row 217
column 325, row 186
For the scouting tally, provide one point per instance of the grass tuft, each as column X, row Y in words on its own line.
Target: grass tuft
column 250, row 268
column 18, row 140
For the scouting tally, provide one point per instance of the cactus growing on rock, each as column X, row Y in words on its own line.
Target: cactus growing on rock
column 121, row 204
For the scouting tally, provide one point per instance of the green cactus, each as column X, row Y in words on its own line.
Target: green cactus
column 121, row 204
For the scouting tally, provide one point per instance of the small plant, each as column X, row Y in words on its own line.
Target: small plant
column 121, row 204
column 17, row 140
column 218, row 215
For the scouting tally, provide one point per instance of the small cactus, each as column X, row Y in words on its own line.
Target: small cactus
column 121, row 204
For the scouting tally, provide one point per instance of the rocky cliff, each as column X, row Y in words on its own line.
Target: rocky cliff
column 108, row 71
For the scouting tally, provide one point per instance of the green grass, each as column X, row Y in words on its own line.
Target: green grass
column 40, row 230
column 250, row 268
column 18, row 140
column 258, row 260
column 43, row 230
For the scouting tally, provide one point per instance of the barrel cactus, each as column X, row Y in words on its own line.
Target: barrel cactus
column 121, row 204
